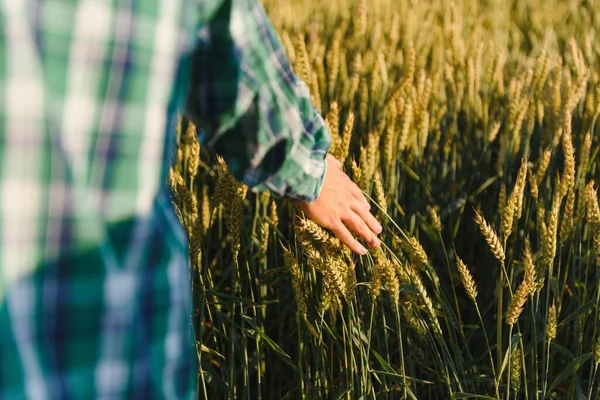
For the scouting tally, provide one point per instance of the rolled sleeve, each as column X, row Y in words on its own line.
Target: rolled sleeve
column 251, row 107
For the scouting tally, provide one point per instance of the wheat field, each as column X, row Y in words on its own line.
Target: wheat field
column 472, row 127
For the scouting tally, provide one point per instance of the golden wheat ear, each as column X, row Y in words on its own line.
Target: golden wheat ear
column 490, row 237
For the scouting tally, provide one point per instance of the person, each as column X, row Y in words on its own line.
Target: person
column 94, row 278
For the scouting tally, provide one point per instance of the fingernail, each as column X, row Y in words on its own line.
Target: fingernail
column 379, row 228
column 362, row 250
column 376, row 243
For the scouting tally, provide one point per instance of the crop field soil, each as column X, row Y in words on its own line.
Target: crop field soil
column 473, row 128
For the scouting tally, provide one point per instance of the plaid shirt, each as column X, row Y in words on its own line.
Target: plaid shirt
column 94, row 284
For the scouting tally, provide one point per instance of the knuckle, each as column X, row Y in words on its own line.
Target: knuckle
column 353, row 222
column 347, row 235
column 359, row 204
column 334, row 217
column 351, row 241
column 362, row 199
column 339, row 229
column 345, row 213
column 363, row 230
column 329, row 225
column 347, row 239
column 360, row 211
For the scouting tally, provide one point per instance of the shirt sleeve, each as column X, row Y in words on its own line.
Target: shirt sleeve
column 250, row 106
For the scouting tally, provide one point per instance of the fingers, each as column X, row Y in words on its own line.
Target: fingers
column 358, row 195
column 367, row 217
column 342, row 233
column 356, row 224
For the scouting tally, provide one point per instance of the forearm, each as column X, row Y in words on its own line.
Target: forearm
column 252, row 108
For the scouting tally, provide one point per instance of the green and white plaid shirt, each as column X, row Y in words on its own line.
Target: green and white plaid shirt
column 94, row 284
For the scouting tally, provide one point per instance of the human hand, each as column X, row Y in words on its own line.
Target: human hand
column 341, row 207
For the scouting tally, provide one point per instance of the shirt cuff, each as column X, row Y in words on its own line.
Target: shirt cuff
column 297, row 179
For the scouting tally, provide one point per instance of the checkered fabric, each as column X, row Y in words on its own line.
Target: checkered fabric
column 94, row 278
